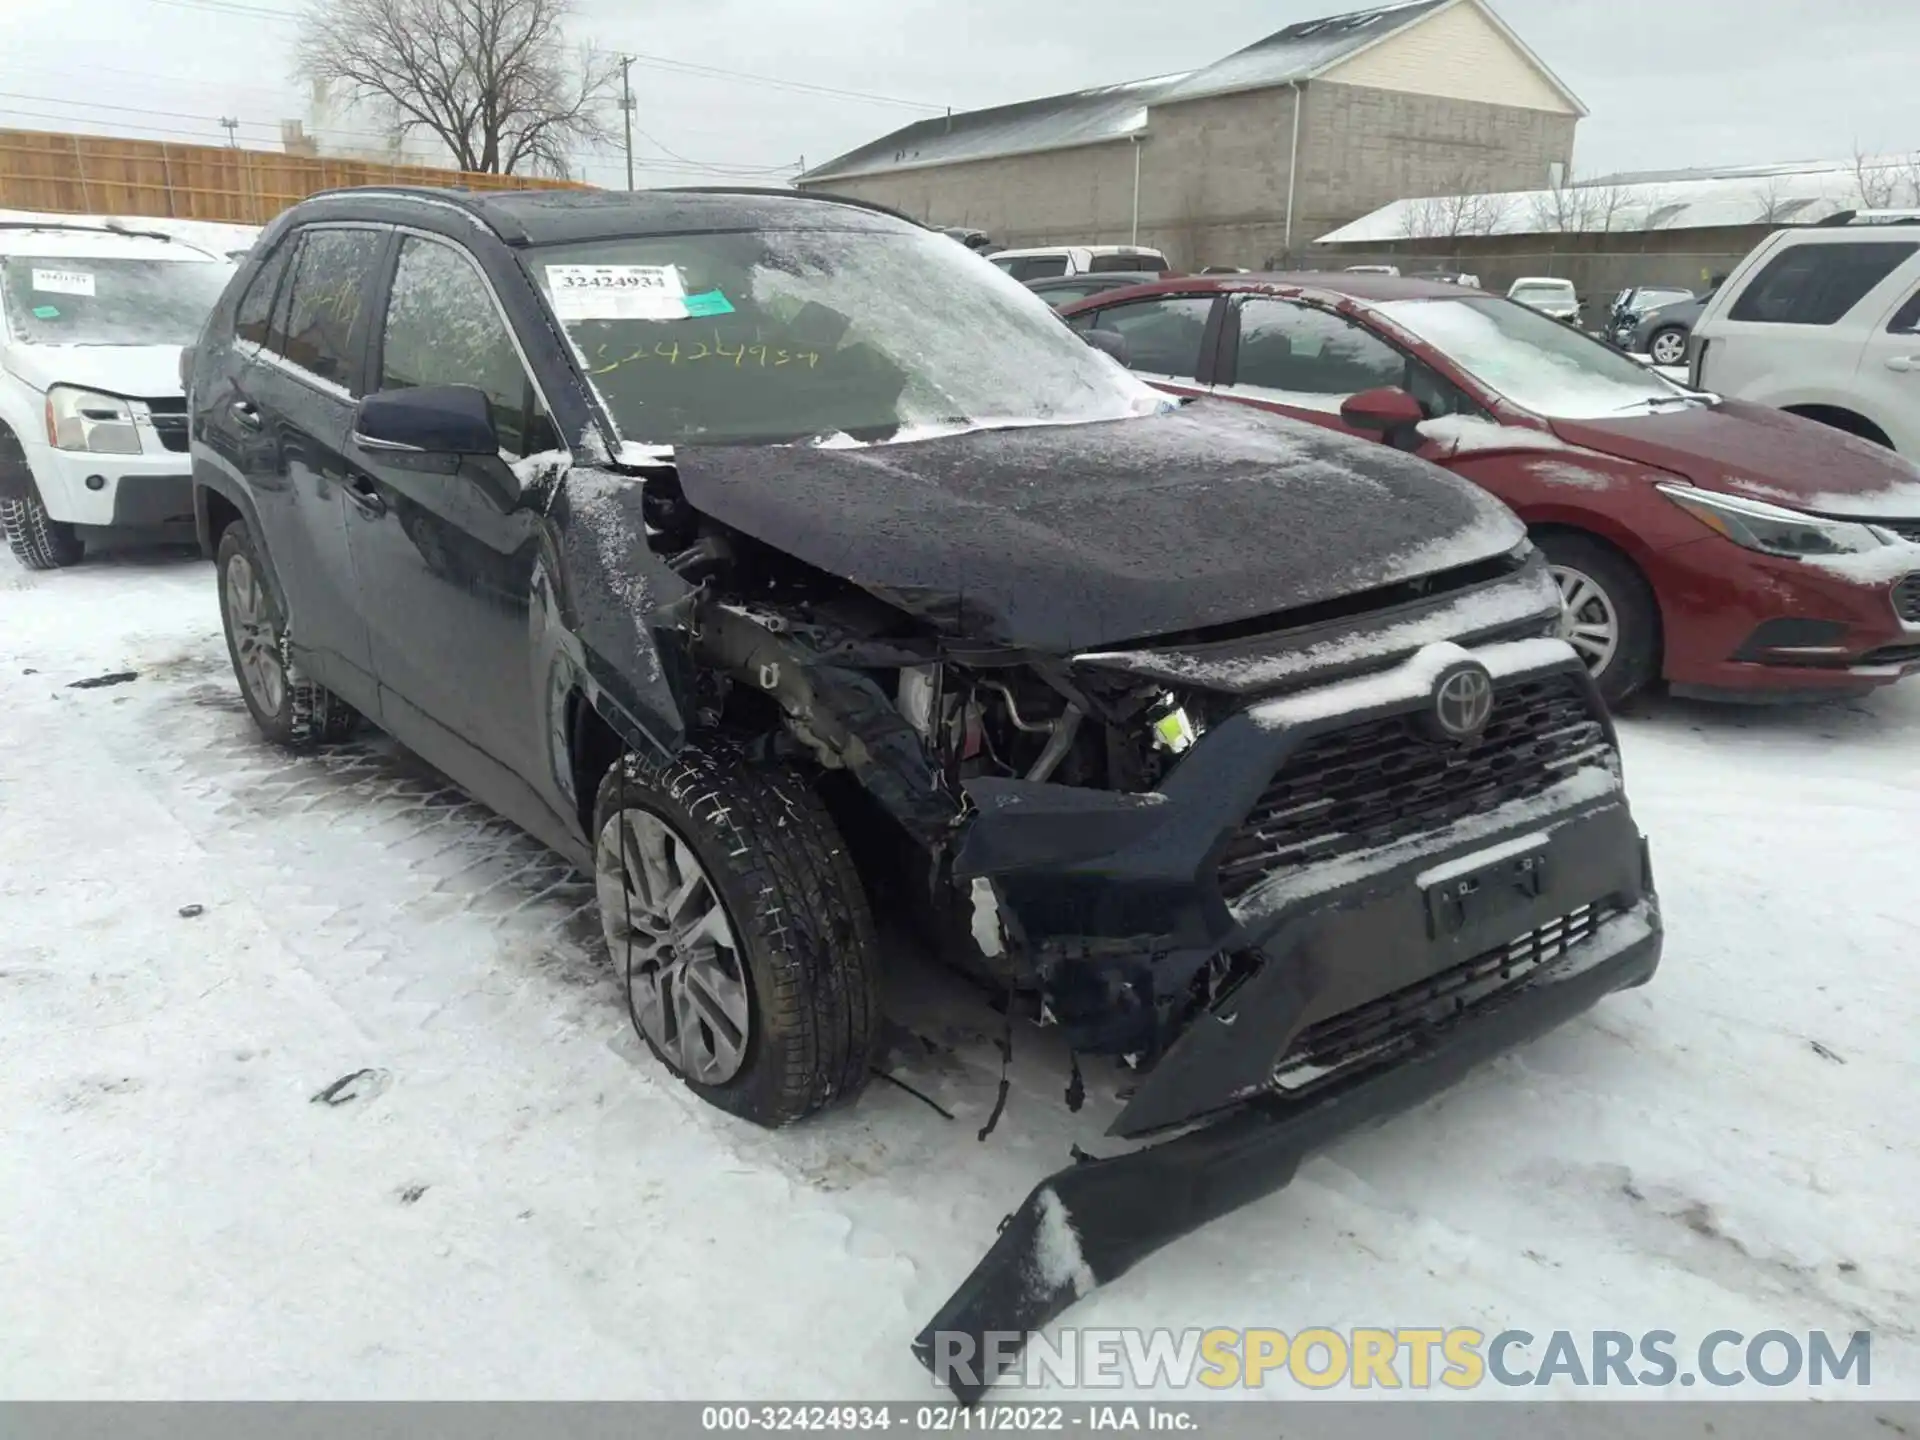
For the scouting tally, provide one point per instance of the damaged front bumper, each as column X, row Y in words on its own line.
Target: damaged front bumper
column 1502, row 888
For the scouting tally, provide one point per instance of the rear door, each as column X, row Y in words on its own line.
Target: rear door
column 1889, row 378
column 297, row 392
column 1171, row 339
column 445, row 557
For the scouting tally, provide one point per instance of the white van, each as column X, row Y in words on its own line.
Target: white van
column 93, row 420
column 1045, row 263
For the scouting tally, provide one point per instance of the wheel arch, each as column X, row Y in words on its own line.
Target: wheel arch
column 216, row 505
column 16, row 475
column 1840, row 417
column 1560, row 526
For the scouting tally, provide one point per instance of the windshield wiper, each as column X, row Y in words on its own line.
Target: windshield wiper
column 1656, row 401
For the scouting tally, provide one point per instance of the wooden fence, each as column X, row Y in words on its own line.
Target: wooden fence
column 106, row 175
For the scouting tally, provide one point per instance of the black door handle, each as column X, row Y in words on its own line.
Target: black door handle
column 247, row 413
column 367, row 500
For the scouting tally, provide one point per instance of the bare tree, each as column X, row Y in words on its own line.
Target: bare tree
column 1573, row 207
column 1911, row 167
column 1876, row 181
column 495, row 81
column 1774, row 206
column 1466, row 210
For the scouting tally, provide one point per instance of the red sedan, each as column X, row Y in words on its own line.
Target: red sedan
column 1733, row 550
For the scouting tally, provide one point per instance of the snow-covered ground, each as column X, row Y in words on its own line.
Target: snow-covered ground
column 511, row 1200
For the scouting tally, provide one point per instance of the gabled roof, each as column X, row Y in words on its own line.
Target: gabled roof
column 1117, row 112
column 1300, row 52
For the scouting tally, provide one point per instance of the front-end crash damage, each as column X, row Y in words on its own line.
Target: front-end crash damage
column 1228, row 847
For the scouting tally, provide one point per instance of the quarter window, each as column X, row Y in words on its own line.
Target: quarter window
column 1906, row 320
column 1818, row 284
column 443, row 328
column 256, row 306
column 1163, row 336
column 1304, row 351
column 319, row 326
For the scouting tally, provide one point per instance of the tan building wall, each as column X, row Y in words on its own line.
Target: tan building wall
column 1458, row 53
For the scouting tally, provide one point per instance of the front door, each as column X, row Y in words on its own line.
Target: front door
column 446, row 558
column 1306, row 362
column 1889, row 379
column 296, row 394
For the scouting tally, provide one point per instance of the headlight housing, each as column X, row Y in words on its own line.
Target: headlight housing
column 97, row 424
column 1773, row 529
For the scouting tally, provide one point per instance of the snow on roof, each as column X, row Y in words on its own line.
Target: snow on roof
column 211, row 235
column 1115, row 112
column 1760, row 195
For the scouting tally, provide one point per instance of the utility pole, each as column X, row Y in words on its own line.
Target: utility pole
column 626, row 112
column 231, row 126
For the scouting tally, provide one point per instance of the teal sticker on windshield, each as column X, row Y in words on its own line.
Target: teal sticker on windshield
column 46, row 312
column 709, row 302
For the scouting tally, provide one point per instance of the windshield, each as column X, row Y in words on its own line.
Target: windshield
column 1538, row 363
column 777, row 336
column 100, row 300
column 1543, row 292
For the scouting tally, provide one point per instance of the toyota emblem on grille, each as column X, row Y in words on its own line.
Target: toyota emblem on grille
column 1463, row 702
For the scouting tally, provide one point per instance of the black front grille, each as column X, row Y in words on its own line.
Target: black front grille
column 1385, row 780
column 1905, row 529
column 1383, row 1029
column 1906, row 599
column 172, row 431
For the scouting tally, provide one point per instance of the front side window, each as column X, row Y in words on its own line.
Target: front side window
column 867, row 334
column 1163, row 335
column 320, row 325
column 109, row 300
column 1531, row 359
column 1818, row 284
column 1300, row 350
column 443, row 328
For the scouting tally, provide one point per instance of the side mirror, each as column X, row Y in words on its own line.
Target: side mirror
column 1390, row 412
column 1111, row 343
column 427, row 420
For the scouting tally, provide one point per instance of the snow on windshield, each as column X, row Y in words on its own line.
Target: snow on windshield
column 108, row 300
column 777, row 337
column 1538, row 363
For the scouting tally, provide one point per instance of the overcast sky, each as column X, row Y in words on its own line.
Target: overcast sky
column 1669, row 82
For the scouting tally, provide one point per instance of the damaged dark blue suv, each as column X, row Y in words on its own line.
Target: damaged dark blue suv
column 1246, row 751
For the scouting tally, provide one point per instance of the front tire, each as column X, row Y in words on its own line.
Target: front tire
column 1614, row 620
column 291, row 710
column 1668, row 346
column 737, row 920
column 37, row 540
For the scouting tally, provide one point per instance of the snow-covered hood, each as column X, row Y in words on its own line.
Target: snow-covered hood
column 1763, row 454
column 1058, row 538
column 140, row 372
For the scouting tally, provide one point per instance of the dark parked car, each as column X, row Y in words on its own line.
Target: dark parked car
column 1245, row 749
column 1061, row 290
column 1623, row 316
column 1662, row 333
column 1737, row 551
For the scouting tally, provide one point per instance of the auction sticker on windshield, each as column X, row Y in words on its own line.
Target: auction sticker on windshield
column 617, row 292
column 63, row 282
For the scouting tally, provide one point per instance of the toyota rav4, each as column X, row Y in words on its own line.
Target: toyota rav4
column 1244, row 751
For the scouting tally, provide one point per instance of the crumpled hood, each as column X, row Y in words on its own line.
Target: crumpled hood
column 1058, row 538
column 1763, row 454
column 140, row 372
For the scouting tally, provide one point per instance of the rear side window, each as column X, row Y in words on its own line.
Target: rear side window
column 444, row 329
column 1147, row 261
column 1037, row 267
column 256, row 306
column 1163, row 336
column 320, row 324
column 1818, row 284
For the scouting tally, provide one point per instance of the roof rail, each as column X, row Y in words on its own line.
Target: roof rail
column 104, row 228
column 1842, row 218
column 460, row 198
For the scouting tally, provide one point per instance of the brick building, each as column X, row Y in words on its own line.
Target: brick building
column 1252, row 156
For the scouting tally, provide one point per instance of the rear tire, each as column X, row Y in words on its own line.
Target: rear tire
column 291, row 710
column 758, row 982
column 1668, row 347
column 1615, row 619
column 37, row 540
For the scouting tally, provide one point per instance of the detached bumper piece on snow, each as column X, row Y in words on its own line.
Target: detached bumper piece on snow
column 1402, row 908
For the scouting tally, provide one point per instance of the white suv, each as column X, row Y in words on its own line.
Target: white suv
column 1052, row 260
column 93, row 421
column 1824, row 322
